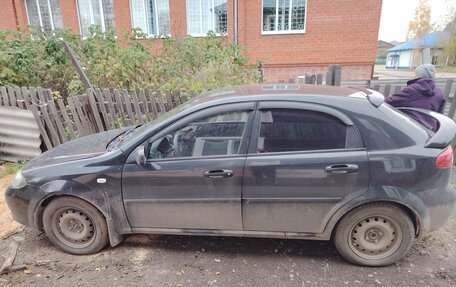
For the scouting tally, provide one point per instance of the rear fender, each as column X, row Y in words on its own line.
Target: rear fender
column 407, row 200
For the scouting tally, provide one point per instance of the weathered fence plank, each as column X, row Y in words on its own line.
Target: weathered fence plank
column 111, row 108
column 143, row 99
column 104, row 113
column 95, row 112
column 43, row 107
column 74, row 113
column 128, row 107
column 4, row 99
column 58, row 121
column 66, row 117
column 161, row 104
column 447, row 89
column 138, row 112
column 452, row 107
column 12, row 97
column 119, row 104
column 43, row 131
column 153, row 105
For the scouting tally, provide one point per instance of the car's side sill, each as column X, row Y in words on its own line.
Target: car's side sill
column 235, row 233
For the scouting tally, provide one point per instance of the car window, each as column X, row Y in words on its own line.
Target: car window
column 283, row 130
column 218, row 134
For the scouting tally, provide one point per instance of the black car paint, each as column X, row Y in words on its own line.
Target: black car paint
column 423, row 189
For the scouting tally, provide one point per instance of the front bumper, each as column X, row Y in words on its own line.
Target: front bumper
column 22, row 203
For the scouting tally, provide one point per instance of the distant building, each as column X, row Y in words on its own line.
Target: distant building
column 382, row 46
column 425, row 50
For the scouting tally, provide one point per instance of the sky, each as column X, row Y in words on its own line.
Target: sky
column 396, row 15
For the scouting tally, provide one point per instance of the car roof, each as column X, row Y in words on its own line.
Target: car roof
column 280, row 88
column 280, row 91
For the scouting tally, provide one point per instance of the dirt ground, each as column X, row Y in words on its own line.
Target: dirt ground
column 144, row 260
column 7, row 225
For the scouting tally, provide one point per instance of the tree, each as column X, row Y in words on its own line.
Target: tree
column 421, row 23
column 449, row 44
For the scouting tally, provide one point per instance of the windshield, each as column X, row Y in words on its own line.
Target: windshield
column 132, row 134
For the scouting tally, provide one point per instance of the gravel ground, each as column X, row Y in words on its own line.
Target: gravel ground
column 146, row 260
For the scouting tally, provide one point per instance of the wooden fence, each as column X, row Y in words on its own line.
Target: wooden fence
column 389, row 87
column 100, row 110
column 62, row 120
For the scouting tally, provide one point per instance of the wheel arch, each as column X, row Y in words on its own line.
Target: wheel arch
column 114, row 237
column 413, row 215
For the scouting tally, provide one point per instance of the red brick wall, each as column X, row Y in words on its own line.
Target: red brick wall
column 12, row 14
column 337, row 32
column 69, row 15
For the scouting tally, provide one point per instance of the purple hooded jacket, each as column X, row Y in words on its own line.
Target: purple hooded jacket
column 420, row 93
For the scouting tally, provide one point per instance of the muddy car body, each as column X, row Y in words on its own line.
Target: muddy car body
column 279, row 161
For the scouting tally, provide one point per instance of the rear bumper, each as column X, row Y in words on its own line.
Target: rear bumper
column 440, row 206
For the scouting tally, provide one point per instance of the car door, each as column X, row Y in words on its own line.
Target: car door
column 192, row 177
column 304, row 161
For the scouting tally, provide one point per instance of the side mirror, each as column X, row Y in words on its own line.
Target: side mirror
column 141, row 156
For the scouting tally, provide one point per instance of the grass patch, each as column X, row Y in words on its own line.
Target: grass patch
column 7, row 168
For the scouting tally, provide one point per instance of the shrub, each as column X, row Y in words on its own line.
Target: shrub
column 122, row 61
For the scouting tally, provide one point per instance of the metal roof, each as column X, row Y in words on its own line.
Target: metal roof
column 19, row 134
column 431, row 40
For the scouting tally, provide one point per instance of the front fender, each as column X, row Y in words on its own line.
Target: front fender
column 395, row 195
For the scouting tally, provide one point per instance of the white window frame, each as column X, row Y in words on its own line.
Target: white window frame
column 156, row 32
column 201, row 20
column 283, row 32
column 39, row 14
column 92, row 19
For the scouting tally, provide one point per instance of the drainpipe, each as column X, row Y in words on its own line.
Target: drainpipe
column 236, row 25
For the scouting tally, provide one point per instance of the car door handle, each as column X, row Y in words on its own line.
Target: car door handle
column 219, row 173
column 342, row 168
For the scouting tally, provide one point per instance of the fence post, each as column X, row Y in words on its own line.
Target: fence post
column 447, row 90
column 452, row 107
column 334, row 75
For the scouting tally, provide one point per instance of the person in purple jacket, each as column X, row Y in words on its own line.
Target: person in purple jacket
column 421, row 93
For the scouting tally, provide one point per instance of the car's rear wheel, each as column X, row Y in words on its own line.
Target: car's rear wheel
column 375, row 234
column 75, row 226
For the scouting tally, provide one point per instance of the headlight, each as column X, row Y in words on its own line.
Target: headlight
column 18, row 180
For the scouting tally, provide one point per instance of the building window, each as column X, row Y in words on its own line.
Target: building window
column 95, row 13
column 204, row 16
column 284, row 16
column 151, row 16
column 45, row 14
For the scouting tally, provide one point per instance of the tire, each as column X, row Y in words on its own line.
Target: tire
column 376, row 234
column 75, row 226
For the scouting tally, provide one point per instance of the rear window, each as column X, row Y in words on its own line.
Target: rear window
column 409, row 123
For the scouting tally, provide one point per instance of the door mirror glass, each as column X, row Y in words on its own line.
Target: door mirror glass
column 141, row 156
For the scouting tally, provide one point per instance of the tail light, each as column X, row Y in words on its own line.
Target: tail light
column 445, row 159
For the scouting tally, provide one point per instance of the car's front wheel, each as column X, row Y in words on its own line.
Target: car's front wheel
column 375, row 234
column 75, row 226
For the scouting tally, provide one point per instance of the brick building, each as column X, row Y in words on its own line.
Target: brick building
column 290, row 37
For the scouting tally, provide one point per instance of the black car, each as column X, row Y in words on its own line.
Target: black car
column 279, row 161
